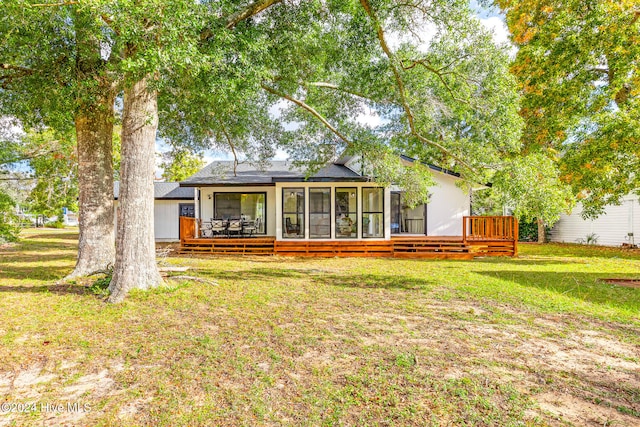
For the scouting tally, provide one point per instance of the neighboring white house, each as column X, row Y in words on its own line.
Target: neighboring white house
column 171, row 202
column 336, row 203
column 616, row 226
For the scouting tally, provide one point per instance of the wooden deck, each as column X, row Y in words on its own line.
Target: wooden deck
column 490, row 236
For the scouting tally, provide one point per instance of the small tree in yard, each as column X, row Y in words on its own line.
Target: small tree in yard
column 54, row 169
column 531, row 186
column 179, row 164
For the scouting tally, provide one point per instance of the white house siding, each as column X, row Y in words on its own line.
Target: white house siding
column 612, row 228
column 166, row 220
column 448, row 205
column 206, row 202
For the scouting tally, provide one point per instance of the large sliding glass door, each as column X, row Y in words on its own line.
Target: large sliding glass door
column 250, row 207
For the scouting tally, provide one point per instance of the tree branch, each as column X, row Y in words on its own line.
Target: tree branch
column 249, row 11
column 437, row 72
column 310, row 109
column 401, row 87
column 233, row 149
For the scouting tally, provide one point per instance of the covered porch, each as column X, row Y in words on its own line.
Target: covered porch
column 481, row 236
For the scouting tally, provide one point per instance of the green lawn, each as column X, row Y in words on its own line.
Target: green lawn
column 537, row 340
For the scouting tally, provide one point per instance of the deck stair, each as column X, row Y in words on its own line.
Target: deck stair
column 424, row 247
column 360, row 248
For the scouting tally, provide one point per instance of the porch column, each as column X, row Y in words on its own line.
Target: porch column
column 196, row 205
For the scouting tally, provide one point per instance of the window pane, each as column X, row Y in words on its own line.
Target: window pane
column 346, row 212
column 320, row 200
column 293, row 199
column 372, row 199
column 227, row 205
column 253, row 206
column 373, row 225
column 346, row 201
column 293, row 213
column 320, row 225
column 320, row 213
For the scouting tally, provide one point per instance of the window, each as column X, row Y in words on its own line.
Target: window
column 250, row 207
column 293, row 213
column 346, row 212
column 372, row 212
column 320, row 213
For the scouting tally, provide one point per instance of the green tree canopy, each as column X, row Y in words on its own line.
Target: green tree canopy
column 577, row 66
column 179, row 164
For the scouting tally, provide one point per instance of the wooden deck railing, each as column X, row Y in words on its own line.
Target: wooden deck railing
column 489, row 228
column 491, row 235
column 187, row 228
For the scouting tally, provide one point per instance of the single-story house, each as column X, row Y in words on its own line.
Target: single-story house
column 171, row 202
column 618, row 225
column 336, row 203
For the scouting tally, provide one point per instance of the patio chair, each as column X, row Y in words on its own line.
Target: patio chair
column 253, row 227
column 290, row 228
column 205, row 229
column 235, row 227
column 218, row 226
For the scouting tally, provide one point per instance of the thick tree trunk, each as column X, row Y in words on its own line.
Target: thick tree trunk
column 135, row 265
column 541, row 231
column 94, row 134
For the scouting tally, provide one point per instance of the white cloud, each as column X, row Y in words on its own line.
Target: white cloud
column 497, row 26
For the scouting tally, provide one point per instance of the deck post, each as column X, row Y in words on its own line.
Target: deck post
column 516, row 235
column 464, row 229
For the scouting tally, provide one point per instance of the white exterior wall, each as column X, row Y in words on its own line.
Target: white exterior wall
column 166, row 219
column 611, row 228
column 206, row 202
column 448, row 205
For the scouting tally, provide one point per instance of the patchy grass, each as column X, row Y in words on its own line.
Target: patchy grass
column 537, row 340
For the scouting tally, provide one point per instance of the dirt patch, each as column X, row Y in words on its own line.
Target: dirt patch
column 629, row 283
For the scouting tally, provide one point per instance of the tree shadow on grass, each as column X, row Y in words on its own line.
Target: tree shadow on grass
column 362, row 281
column 585, row 286
column 20, row 257
column 49, row 235
column 376, row 281
column 57, row 289
column 518, row 261
column 254, row 274
column 34, row 273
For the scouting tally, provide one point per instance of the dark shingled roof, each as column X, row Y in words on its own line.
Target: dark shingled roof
column 163, row 191
column 221, row 173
